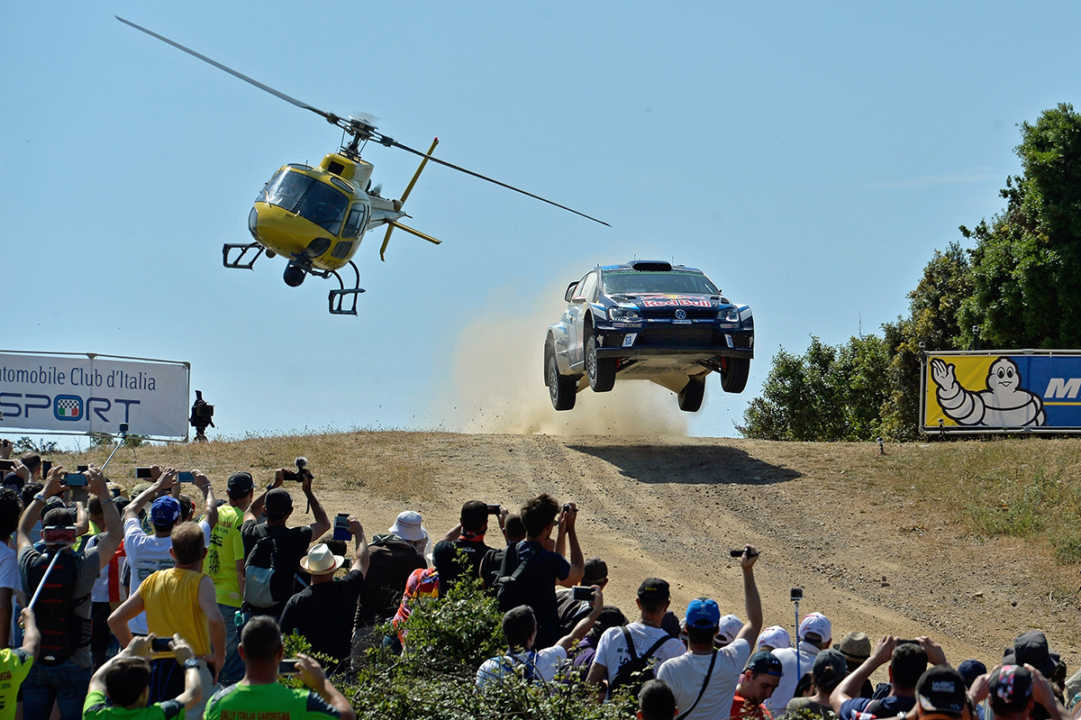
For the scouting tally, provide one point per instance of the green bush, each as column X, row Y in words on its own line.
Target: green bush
column 435, row 678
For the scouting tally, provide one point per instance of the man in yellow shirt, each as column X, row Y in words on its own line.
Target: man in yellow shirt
column 15, row 664
column 225, row 566
column 181, row 601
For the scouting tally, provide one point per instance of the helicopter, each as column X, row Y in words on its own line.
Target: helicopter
column 316, row 217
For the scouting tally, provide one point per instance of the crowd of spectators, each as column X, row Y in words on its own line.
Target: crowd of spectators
column 160, row 604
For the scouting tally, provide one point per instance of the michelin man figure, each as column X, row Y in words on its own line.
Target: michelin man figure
column 1003, row 404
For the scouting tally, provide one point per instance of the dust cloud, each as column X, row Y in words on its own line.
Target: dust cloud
column 497, row 385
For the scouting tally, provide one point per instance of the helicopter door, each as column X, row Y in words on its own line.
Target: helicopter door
column 354, row 226
column 578, row 309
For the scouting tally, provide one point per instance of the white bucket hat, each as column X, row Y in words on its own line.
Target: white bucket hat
column 409, row 526
column 321, row 561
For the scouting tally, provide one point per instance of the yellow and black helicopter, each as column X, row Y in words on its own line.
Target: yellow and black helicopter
column 317, row 216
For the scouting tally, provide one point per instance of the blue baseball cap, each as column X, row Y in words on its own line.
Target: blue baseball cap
column 165, row 511
column 703, row 613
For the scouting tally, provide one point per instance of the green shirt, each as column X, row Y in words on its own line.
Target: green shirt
column 14, row 667
column 98, row 707
column 226, row 547
column 274, row 701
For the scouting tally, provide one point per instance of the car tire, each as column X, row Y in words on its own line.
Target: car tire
column 601, row 371
column 562, row 389
column 690, row 397
column 734, row 376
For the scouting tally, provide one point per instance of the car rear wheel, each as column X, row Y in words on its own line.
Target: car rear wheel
column 561, row 388
column 601, row 371
column 734, row 375
column 690, row 397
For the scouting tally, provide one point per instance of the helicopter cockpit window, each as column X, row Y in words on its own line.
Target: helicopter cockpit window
column 309, row 198
column 354, row 223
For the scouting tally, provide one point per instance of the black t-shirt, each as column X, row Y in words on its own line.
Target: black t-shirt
column 324, row 613
column 292, row 544
column 474, row 553
column 391, row 562
column 538, row 584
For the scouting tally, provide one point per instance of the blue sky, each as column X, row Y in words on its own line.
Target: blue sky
column 809, row 157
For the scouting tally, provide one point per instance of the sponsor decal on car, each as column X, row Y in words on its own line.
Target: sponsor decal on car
column 675, row 301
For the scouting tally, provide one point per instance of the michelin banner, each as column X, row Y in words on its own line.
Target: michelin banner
column 66, row 393
column 1031, row 390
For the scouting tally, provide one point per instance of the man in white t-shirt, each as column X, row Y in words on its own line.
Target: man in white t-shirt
column 537, row 666
column 147, row 554
column 687, row 674
column 646, row 634
column 814, row 635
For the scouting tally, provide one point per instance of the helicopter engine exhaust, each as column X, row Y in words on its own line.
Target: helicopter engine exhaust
column 293, row 275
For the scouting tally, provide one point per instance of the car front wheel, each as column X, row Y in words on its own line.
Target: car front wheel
column 601, row 371
column 734, row 375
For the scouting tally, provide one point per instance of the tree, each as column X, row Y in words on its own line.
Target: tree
column 1027, row 260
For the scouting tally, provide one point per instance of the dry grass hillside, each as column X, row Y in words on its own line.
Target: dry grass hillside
column 970, row 542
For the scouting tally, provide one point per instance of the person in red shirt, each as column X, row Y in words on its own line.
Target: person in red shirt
column 757, row 682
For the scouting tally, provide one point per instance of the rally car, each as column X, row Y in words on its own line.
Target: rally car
column 647, row 321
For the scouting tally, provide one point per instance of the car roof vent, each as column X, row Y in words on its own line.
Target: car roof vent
column 652, row 265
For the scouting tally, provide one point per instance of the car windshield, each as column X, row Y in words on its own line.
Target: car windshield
column 633, row 282
column 312, row 200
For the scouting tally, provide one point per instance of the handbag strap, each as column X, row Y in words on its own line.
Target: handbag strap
column 705, row 683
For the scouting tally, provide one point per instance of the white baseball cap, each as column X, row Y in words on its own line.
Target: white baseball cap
column 775, row 637
column 818, row 624
column 729, row 626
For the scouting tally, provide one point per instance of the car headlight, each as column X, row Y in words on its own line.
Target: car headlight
column 729, row 315
column 619, row 314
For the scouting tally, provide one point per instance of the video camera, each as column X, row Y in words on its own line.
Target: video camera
column 202, row 416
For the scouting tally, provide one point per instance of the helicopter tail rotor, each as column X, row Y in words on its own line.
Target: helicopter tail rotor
column 401, row 201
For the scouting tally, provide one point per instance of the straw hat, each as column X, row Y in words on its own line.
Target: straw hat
column 321, row 561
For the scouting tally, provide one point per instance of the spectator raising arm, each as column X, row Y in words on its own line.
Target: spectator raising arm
column 321, row 522
column 163, row 483
column 363, row 556
column 113, row 532
column 312, row 675
column 850, row 686
column 577, row 561
column 752, row 603
column 209, row 502
column 32, row 513
column 568, row 642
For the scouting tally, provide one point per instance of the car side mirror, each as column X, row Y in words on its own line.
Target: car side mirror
column 570, row 291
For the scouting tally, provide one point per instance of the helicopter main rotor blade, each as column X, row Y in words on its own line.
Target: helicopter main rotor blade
column 331, row 117
column 384, row 140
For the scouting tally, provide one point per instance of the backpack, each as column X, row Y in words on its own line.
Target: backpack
column 391, row 562
column 265, row 583
column 62, row 631
column 509, row 591
column 638, row 670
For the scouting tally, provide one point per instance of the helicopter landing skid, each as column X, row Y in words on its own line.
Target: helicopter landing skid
column 239, row 263
column 344, row 301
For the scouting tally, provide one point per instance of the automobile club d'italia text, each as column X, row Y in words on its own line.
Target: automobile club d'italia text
column 80, row 377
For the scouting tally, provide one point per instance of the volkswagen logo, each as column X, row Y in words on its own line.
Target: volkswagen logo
column 681, row 314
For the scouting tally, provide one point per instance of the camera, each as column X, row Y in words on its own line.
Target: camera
column 287, row 667
column 494, row 509
column 291, row 475
column 738, row 552
column 162, row 644
column 142, row 473
column 341, row 527
column 7, row 465
column 82, row 468
column 185, row 476
column 76, row 479
column 46, row 466
column 582, row 592
column 795, row 594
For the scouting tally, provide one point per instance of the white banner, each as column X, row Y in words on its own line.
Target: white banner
column 93, row 393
